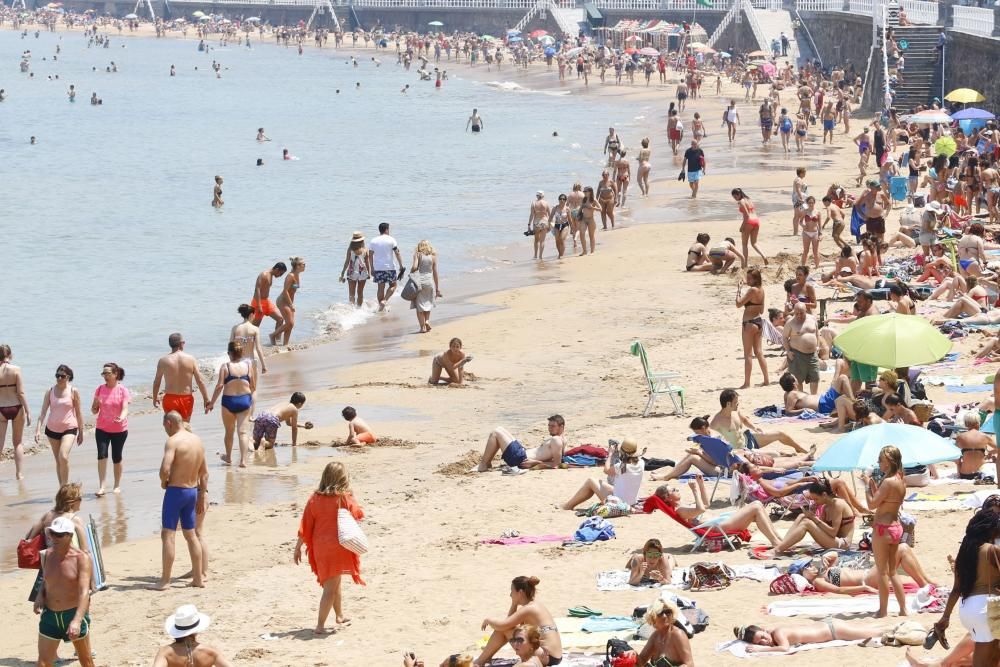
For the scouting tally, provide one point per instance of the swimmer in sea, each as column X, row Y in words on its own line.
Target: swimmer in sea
column 173, row 71
column 475, row 121
column 217, row 194
column 72, row 93
column 261, row 136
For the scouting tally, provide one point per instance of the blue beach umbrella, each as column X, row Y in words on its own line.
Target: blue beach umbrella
column 512, row 32
column 549, row 52
column 514, row 39
column 987, row 426
column 972, row 113
column 859, row 449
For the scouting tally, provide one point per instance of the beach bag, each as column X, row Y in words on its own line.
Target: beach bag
column 349, row 533
column 29, row 553
column 410, row 289
column 783, row 585
column 705, row 576
column 617, row 654
column 907, row 633
column 612, row 507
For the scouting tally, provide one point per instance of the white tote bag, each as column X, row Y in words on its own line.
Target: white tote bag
column 349, row 533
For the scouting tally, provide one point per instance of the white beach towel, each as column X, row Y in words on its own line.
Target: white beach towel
column 820, row 607
column 617, row 580
column 976, row 500
column 739, row 648
column 756, row 572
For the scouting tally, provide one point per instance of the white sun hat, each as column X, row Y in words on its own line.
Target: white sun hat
column 187, row 620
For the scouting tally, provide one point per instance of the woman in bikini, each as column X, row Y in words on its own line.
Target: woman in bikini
column 574, row 200
column 781, row 638
column 835, row 530
column 559, row 221
column 606, row 196
column 668, row 645
column 588, row 224
column 13, row 408
column 237, row 384
column 826, row 576
column 698, row 127
column 752, row 304
column 811, row 231
column 885, row 499
column 623, row 173
column 801, row 131
column 524, row 609
column 642, row 173
column 732, row 522
column 650, row 565
column 864, row 144
column 357, row 269
column 749, row 228
column 64, row 425
column 247, row 335
column 286, row 301
column 971, row 250
column 697, row 259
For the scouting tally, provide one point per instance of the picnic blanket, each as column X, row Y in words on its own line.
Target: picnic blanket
column 617, row 580
column 581, row 460
column 739, row 648
column 822, row 606
column 527, row 539
column 969, row 389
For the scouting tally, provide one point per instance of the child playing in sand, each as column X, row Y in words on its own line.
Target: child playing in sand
column 266, row 425
column 358, row 431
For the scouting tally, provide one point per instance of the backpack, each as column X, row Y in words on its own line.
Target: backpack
column 705, row 576
column 783, row 585
column 618, row 653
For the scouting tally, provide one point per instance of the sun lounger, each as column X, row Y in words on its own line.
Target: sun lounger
column 708, row 529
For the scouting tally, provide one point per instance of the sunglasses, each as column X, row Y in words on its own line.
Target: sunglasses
column 665, row 612
column 653, row 554
column 60, row 534
column 61, row 376
column 515, row 641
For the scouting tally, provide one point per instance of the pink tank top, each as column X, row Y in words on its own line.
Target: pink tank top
column 62, row 417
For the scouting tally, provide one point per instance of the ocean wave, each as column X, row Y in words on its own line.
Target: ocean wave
column 517, row 88
column 342, row 317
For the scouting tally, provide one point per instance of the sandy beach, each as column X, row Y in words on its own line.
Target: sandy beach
column 560, row 346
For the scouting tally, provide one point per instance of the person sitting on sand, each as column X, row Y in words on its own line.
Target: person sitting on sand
column 781, row 638
column 358, row 431
column 650, row 565
column 624, row 477
column 837, row 398
column 973, row 444
column 835, row 530
column 451, row 362
column 548, row 455
column 846, row 265
column 184, row 626
column 668, row 645
column 731, row 522
column 697, row 259
column 826, row 576
column 266, row 424
column 527, row 645
column 524, row 609
column 740, row 432
column 455, row 660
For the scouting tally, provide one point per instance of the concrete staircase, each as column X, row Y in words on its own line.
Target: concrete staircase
column 772, row 23
column 571, row 21
column 921, row 76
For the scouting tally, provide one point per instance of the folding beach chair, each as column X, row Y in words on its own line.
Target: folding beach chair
column 721, row 454
column 701, row 532
column 659, row 383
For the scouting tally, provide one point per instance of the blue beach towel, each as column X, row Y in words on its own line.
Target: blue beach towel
column 595, row 529
column 856, row 222
column 609, row 624
column 969, row 389
column 580, row 460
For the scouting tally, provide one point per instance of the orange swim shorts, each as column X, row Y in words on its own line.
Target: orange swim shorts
column 263, row 308
column 182, row 403
column 367, row 438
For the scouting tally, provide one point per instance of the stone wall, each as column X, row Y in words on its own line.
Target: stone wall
column 971, row 62
column 841, row 38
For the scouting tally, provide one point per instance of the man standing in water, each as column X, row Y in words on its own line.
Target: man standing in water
column 475, row 121
column 177, row 370
column 694, row 164
column 383, row 247
column 184, row 477
column 64, row 599
column 261, row 303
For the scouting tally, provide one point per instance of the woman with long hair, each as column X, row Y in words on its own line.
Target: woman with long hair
column 246, row 334
column 357, row 269
column 650, row 565
column 67, row 503
column 524, row 609
column 642, row 173
column 64, row 425
column 559, row 220
column 13, row 408
column 425, row 272
column 885, row 500
column 977, row 569
column 732, row 522
column 835, row 530
column 286, row 301
column 752, row 304
column 750, row 227
column 110, row 405
column 588, row 223
column 318, row 532
column 237, row 384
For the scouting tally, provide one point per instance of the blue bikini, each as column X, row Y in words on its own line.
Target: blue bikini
column 238, row 403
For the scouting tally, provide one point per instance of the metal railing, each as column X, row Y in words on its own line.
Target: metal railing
column 819, row 5
column 724, row 23
column 887, row 98
column 974, row 20
column 812, row 42
column 758, row 34
column 921, row 12
column 862, row 7
column 773, row 5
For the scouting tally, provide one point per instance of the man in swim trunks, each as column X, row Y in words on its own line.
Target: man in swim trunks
column 872, row 206
column 358, row 431
column 475, row 122
column 261, row 304
column 766, row 121
column 177, row 370
column 798, row 401
column 266, row 424
column 184, row 478
column 548, row 455
column 64, row 599
column 694, row 164
column 829, row 121
column 742, row 433
column 864, row 306
column 383, row 248
column 801, row 342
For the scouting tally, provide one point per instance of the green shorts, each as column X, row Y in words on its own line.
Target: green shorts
column 863, row 372
column 55, row 624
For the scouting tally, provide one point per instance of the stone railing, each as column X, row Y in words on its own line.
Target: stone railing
column 921, row 12
column 973, row 19
column 862, row 7
column 819, row 5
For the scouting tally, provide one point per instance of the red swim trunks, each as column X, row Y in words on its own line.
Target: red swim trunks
column 367, row 438
column 182, row 403
column 263, row 308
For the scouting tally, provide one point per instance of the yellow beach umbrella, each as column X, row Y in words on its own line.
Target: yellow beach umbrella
column 965, row 96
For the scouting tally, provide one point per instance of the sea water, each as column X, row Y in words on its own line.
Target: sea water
column 109, row 241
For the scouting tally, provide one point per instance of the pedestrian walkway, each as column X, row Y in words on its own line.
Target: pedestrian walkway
column 772, row 23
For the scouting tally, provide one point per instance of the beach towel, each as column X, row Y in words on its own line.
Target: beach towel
column 976, row 500
column 617, row 580
column 739, row 648
column 526, row 539
column 942, row 380
column 594, row 529
column 609, row 624
column 581, row 460
column 969, row 389
column 820, row 606
column 654, row 503
column 587, row 450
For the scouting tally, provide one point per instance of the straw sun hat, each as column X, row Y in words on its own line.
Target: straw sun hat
column 187, row 620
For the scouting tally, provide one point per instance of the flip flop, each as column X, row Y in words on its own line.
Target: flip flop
column 583, row 611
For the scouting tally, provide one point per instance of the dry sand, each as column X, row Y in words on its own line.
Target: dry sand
column 558, row 347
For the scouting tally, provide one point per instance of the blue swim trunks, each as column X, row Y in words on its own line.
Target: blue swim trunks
column 514, row 455
column 828, row 401
column 694, row 176
column 179, row 504
column 828, row 124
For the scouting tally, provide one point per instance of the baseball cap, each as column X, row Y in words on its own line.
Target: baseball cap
column 62, row 525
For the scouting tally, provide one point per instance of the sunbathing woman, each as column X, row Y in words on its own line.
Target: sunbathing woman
column 523, row 609
column 650, row 565
column 827, row 577
column 669, row 645
column 933, row 268
column 834, row 531
column 731, row 522
column 782, row 638
column 974, row 302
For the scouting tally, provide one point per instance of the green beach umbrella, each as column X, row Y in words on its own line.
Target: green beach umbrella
column 436, row 24
column 198, row 14
column 945, row 146
column 892, row 341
